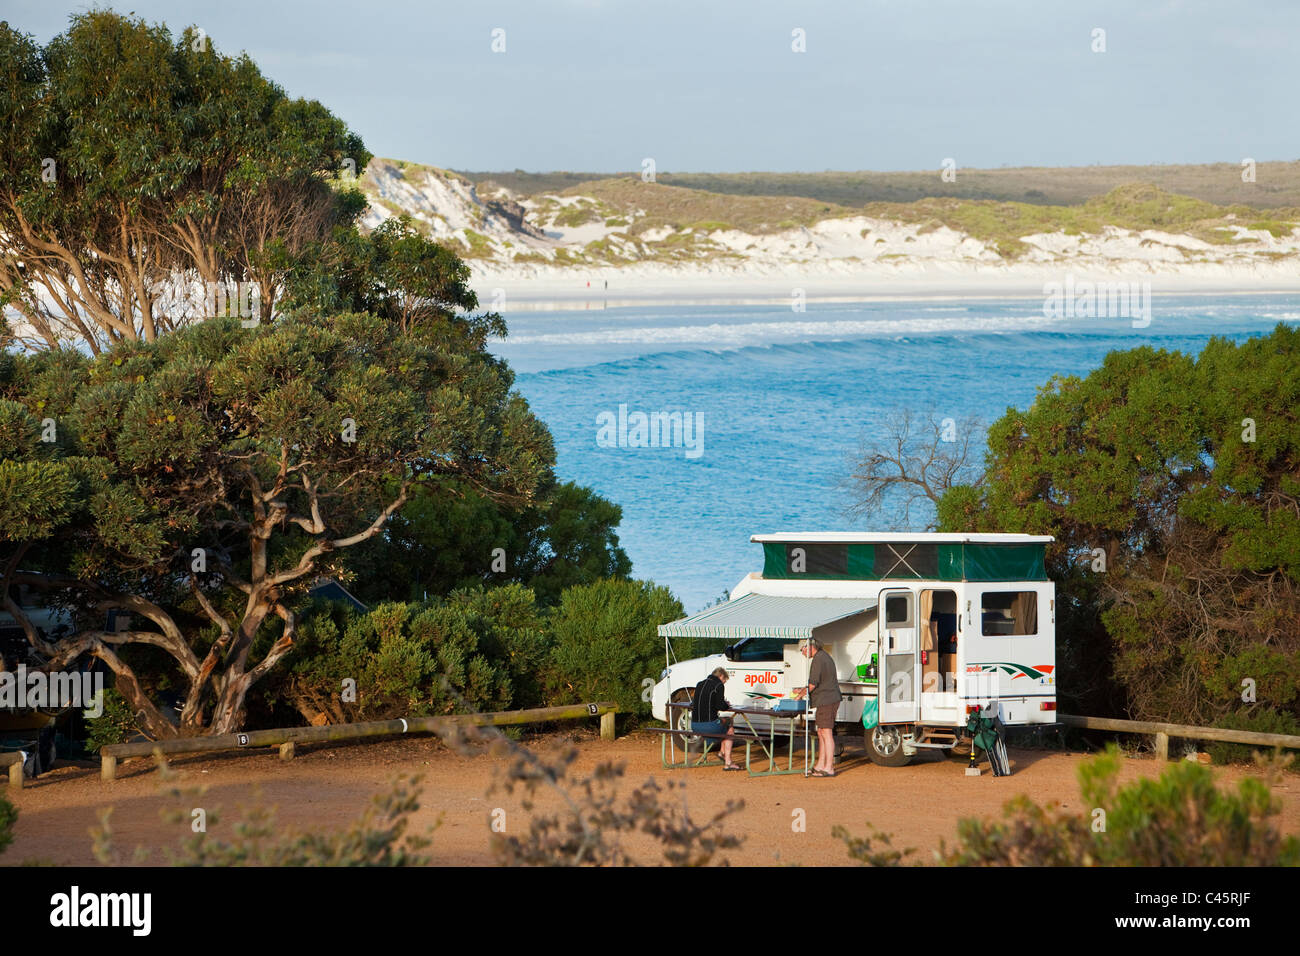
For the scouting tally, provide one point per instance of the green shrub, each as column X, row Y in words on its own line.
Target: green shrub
column 114, row 726
column 1278, row 230
column 8, row 817
column 1180, row 819
column 874, row 849
column 482, row 650
column 510, row 630
column 606, row 642
column 1264, row 720
column 477, row 245
column 577, row 215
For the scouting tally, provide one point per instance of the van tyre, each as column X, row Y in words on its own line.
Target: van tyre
column 885, row 745
column 682, row 721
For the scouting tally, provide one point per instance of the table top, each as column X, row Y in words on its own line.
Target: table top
column 769, row 712
column 760, row 711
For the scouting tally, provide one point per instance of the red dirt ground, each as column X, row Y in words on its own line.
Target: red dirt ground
column 328, row 788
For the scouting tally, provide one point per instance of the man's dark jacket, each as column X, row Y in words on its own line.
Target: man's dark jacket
column 709, row 699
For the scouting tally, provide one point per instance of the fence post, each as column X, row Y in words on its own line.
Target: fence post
column 107, row 767
column 16, row 775
column 1162, row 747
column 607, row 725
column 286, row 750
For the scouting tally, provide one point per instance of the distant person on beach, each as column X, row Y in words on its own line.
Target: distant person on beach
column 824, row 696
column 709, row 699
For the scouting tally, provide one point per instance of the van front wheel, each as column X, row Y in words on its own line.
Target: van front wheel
column 885, row 745
column 682, row 721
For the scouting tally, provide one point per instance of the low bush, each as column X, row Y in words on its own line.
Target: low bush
column 473, row 651
column 607, row 643
column 8, row 817
column 1264, row 720
column 1180, row 819
column 114, row 726
column 593, row 816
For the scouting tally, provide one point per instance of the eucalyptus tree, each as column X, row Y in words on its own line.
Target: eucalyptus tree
column 202, row 482
column 139, row 172
column 1172, row 486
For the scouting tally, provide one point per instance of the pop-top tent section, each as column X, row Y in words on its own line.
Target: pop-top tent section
column 883, row 557
column 761, row 615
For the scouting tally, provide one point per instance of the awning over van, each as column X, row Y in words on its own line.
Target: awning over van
column 762, row 615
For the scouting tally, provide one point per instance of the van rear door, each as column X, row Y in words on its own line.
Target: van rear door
column 900, row 690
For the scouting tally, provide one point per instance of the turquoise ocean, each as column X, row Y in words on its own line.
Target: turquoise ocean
column 785, row 400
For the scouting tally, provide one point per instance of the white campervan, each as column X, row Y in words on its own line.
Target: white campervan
column 945, row 624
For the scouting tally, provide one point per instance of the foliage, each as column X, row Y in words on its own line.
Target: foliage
column 654, row 205
column 172, row 165
column 8, row 817
column 1133, row 206
column 269, row 450
column 1179, row 820
column 448, row 535
column 480, row 650
column 593, row 816
column 1278, row 230
column 477, row 649
column 1180, row 475
column 606, row 642
column 997, row 202
column 114, row 726
column 392, row 271
column 1261, row 720
column 874, row 849
column 203, row 479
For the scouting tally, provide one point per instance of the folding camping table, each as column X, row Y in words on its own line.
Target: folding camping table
column 789, row 717
column 750, row 735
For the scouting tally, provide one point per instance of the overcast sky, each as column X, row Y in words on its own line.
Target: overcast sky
column 713, row 85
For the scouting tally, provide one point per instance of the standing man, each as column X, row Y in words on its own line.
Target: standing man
column 708, row 700
column 824, row 696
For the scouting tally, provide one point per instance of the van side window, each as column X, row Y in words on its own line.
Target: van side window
column 1009, row 613
column 758, row 649
column 898, row 610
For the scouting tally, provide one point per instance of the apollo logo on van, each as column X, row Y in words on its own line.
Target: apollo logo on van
column 767, row 677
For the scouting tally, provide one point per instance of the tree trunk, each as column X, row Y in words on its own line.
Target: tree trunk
column 147, row 716
column 228, row 715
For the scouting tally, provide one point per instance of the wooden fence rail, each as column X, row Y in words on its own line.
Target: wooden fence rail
column 1163, row 732
column 287, row 737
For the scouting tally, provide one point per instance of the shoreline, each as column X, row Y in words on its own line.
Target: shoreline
column 512, row 292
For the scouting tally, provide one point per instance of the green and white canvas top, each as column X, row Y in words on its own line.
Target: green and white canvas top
column 763, row 615
column 901, row 556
